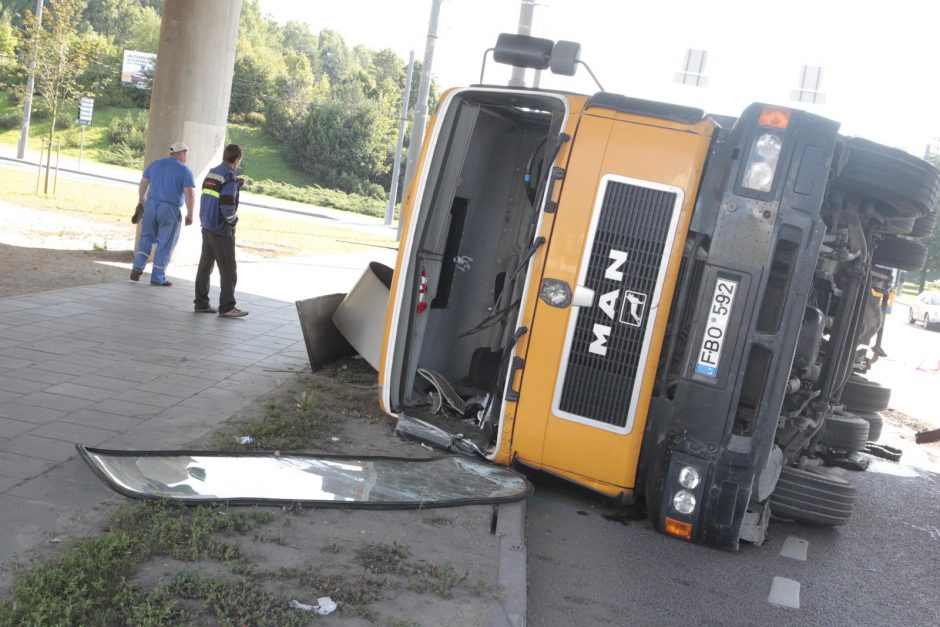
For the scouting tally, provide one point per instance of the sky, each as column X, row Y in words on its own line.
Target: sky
column 879, row 61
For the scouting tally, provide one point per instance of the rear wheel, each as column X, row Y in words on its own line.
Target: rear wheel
column 859, row 394
column 813, row 498
column 845, row 432
column 904, row 182
column 900, row 253
column 924, row 226
column 875, row 424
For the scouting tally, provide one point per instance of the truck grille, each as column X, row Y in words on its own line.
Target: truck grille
column 607, row 350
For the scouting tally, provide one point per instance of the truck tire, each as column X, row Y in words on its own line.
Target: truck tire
column 904, row 182
column 924, row 226
column 899, row 226
column 845, row 432
column 813, row 498
column 862, row 395
column 875, row 423
column 900, row 253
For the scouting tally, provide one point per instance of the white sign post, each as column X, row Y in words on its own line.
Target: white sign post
column 86, row 106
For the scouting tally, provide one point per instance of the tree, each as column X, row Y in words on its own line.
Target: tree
column 296, row 37
column 61, row 54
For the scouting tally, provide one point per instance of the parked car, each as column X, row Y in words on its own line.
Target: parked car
column 925, row 309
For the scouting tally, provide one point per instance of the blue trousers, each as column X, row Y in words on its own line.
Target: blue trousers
column 159, row 225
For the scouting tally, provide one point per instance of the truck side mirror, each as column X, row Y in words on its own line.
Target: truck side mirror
column 523, row 51
column 565, row 58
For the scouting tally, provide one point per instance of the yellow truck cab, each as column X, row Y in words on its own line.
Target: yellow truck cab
column 647, row 300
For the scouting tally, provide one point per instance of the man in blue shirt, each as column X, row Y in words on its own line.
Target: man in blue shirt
column 218, row 213
column 166, row 184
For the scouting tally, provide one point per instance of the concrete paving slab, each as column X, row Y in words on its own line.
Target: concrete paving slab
column 25, row 412
column 101, row 420
column 9, row 396
column 21, row 467
column 73, row 433
column 13, row 384
column 55, row 401
column 34, row 444
column 11, row 428
column 86, row 392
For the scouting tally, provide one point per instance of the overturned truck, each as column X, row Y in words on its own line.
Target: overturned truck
column 649, row 301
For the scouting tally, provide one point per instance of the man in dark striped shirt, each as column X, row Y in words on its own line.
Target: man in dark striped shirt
column 218, row 213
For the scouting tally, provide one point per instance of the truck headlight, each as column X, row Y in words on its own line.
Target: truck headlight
column 689, row 478
column 762, row 162
column 684, row 502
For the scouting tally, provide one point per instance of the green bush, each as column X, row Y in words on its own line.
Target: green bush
column 122, row 155
column 319, row 197
column 129, row 131
column 72, row 137
column 9, row 121
column 252, row 118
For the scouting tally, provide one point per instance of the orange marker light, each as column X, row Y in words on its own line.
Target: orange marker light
column 677, row 528
column 774, row 117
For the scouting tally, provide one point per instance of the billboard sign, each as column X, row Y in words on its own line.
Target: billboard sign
column 137, row 70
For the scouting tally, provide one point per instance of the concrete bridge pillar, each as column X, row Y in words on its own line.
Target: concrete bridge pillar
column 192, row 85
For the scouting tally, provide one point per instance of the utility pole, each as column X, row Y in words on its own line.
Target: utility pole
column 526, row 12
column 393, row 188
column 28, row 100
column 421, row 106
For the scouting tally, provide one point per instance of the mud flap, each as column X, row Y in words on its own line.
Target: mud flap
column 259, row 478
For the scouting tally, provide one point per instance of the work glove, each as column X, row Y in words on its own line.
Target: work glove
column 138, row 213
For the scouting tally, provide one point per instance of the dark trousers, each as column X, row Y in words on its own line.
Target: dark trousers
column 216, row 249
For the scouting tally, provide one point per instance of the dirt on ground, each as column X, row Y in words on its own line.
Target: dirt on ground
column 43, row 250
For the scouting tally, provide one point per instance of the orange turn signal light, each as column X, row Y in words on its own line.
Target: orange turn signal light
column 678, row 528
column 774, row 117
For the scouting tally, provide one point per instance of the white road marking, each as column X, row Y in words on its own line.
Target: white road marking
column 795, row 548
column 785, row 593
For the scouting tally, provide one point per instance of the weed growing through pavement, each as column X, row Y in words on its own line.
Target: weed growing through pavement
column 392, row 559
column 90, row 583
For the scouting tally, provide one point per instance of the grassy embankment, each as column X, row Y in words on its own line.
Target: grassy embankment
column 269, row 174
column 259, row 230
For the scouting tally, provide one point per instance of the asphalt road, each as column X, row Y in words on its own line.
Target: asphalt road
column 880, row 569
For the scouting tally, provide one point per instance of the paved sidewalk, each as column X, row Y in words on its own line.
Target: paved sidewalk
column 120, row 365
column 129, row 365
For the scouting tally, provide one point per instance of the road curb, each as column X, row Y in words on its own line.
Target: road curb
column 511, row 578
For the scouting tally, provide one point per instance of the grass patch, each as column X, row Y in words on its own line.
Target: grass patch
column 258, row 230
column 305, row 412
column 90, row 583
column 266, row 170
column 97, row 138
column 392, row 559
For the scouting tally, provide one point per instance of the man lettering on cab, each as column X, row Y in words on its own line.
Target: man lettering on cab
column 166, row 184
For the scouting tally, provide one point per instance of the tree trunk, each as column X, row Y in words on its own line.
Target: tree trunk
column 923, row 280
column 55, row 107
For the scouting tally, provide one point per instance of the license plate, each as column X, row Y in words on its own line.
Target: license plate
column 714, row 337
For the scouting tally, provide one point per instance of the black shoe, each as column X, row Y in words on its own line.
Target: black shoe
column 164, row 284
column 206, row 309
column 135, row 274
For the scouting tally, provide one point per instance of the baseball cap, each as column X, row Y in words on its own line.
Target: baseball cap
column 178, row 147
